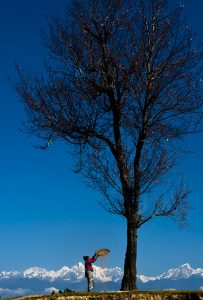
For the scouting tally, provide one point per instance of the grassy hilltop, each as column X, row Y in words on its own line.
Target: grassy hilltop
column 133, row 295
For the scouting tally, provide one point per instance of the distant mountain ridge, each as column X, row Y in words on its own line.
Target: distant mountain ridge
column 76, row 273
column 101, row 274
column 184, row 271
column 38, row 280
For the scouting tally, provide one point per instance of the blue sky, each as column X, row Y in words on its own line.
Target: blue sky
column 48, row 217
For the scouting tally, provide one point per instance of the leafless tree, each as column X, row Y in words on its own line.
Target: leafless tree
column 123, row 89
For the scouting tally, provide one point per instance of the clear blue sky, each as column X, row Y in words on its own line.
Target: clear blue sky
column 48, row 217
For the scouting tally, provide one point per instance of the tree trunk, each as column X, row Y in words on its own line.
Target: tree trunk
column 130, row 272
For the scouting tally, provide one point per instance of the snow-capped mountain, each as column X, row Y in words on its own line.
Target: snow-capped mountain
column 76, row 273
column 104, row 274
column 183, row 272
column 181, row 278
column 4, row 274
column 39, row 280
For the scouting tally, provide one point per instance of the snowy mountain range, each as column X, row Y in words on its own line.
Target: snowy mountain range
column 38, row 280
column 183, row 272
column 76, row 273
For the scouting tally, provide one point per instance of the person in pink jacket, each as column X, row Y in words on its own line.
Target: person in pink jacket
column 89, row 270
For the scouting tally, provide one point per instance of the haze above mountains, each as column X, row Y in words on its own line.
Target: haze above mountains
column 38, row 280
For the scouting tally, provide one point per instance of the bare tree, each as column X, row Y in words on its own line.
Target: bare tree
column 123, row 89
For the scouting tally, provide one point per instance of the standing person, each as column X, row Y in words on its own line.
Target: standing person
column 89, row 270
